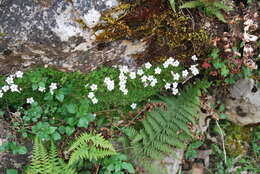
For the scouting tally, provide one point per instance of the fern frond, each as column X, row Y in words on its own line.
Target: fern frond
column 89, row 146
column 162, row 130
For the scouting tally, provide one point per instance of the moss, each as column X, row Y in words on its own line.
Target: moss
column 237, row 139
column 167, row 33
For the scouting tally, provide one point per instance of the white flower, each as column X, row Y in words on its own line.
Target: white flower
column 124, row 69
column 5, row 88
column 91, row 95
column 14, row 88
column 1, row 93
column 176, row 76
column 144, row 78
column 175, row 91
column 150, row 78
column 194, row 69
column 93, row 87
column 109, row 83
column 29, row 100
column 140, row 72
column 94, row 100
column 170, row 60
column 157, row 70
column 19, row 74
column 53, row 86
column 185, row 73
column 125, row 92
column 133, row 105
column 174, row 85
column 148, row 65
column 9, row 80
column 176, row 63
column 194, row 58
column 145, row 84
column 166, row 64
column 153, row 83
column 41, row 89
column 132, row 75
column 167, row 86
column 122, row 76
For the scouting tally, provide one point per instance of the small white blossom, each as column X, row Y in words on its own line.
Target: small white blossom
column 148, row 65
column 29, row 100
column 94, row 100
column 5, row 88
column 14, row 88
column 19, row 74
column 93, row 87
column 185, row 73
column 1, row 93
column 91, row 95
column 132, row 75
column 194, row 58
column 176, row 63
column 122, row 76
column 140, row 72
column 174, row 85
column 125, row 92
column 133, row 105
column 176, row 76
column 109, row 83
column 9, row 80
column 53, row 86
column 145, row 84
column 170, row 60
column 175, row 91
column 157, row 70
column 166, row 64
column 144, row 78
column 167, row 86
column 124, row 69
column 153, row 83
column 194, row 69
column 41, row 89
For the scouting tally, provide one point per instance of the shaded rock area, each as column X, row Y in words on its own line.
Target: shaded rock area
column 8, row 160
column 50, row 33
column 243, row 104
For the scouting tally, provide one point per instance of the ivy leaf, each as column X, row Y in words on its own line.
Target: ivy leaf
column 60, row 97
column 56, row 136
column 128, row 167
column 11, row 171
column 83, row 122
column 71, row 108
column 69, row 130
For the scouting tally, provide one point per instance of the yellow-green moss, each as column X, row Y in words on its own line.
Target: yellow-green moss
column 167, row 33
column 237, row 139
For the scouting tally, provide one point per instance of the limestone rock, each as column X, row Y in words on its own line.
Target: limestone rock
column 243, row 104
column 51, row 33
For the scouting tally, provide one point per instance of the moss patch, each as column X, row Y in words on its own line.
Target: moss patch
column 166, row 32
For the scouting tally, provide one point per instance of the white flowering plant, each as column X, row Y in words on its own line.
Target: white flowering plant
column 65, row 101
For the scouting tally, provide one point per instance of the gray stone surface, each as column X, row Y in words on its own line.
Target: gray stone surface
column 45, row 33
column 243, row 104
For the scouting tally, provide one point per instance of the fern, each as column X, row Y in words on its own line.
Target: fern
column 91, row 147
column 162, row 130
column 44, row 162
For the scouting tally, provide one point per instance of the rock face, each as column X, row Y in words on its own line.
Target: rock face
column 243, row 104
column 51, row 33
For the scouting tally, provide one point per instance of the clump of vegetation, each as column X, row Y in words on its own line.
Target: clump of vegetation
column 166, row 32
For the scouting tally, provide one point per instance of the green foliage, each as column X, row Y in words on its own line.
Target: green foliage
column 191, row 151
column 68, row 107
column 11, row 171
column 91, row 147
column 210, row 7
column 44, row 162
column 162, row 130
column 116, row 164
column 218, row 63
column 13, row 147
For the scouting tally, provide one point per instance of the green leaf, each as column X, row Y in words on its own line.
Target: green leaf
column 173, row 4
column 69, row 130
column 222, row 116
column 56, row 136
column 192, row 4
column 21, row 150
column 71, row 108
column 83, row 122
column 220, row 16
column 128, row 167
column 60, row 97
column 11, row 171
